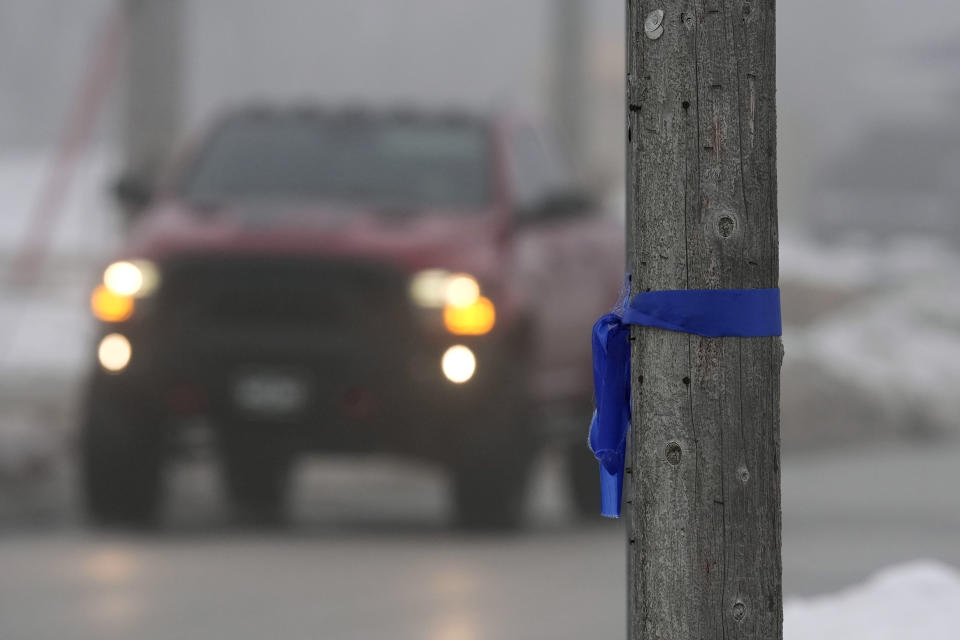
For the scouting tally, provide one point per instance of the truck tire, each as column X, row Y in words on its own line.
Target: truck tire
column 120, row 466
column 490, row 493
column 491, row 477
column 256, row 477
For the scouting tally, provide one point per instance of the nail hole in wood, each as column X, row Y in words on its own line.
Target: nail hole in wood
column 725, row 226
column 739, row 611
column 674, row 453
column 743, row 474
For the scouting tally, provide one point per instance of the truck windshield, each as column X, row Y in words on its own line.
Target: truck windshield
column 388, row 163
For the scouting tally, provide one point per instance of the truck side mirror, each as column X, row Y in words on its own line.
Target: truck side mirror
column 558, row 205
column 133, row 192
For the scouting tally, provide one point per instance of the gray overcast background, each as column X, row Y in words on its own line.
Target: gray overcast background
column 869, row 146
column 851, row 73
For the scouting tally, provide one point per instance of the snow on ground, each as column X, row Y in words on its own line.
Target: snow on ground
column 44, row 333
column 863, row 264
column 902, row 346
column 917, row 601
column 895, row 334
column 85, row 224
column 45, row 327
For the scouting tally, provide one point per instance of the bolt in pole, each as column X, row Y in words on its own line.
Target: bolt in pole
column 704, row 461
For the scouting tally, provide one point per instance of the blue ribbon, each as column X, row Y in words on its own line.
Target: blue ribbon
column 712, row 313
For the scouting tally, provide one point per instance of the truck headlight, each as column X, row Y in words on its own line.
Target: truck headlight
column 131, row 278
column 123, row 282
column 109, row 306
column 436, row 288
column 461, row 291
column 114, row 352
column 458, row 364
column 475, row 319
column 465, row 311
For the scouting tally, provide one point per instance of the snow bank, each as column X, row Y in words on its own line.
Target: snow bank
column 864, row 265
column 917, row 601
column 901, row 348
column 44, row 329
column 45, row 332
column 896, row 337
column 85, row 225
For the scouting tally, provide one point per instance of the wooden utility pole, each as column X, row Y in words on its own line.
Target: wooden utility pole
column 704, row 488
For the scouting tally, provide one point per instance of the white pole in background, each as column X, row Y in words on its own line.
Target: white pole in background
column 153, row 81
column 569, row 78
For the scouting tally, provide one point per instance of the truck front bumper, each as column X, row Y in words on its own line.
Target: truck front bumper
column 373, row 393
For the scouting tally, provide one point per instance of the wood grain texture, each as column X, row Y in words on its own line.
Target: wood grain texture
column 704, row 485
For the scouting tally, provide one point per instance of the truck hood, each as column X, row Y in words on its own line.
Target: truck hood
column 424, row 239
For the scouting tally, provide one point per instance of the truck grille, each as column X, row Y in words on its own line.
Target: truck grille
column 282, row 294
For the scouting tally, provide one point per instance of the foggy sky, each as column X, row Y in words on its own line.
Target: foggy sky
column 845, row 67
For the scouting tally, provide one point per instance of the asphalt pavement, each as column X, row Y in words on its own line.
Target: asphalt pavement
column 369, row 555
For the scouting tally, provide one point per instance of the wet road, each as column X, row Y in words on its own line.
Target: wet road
column 316, row 586
column 370, row 557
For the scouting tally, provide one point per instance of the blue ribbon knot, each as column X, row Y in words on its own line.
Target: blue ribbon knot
column 711, row 313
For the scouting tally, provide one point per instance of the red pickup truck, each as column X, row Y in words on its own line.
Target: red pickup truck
column 411, row 283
